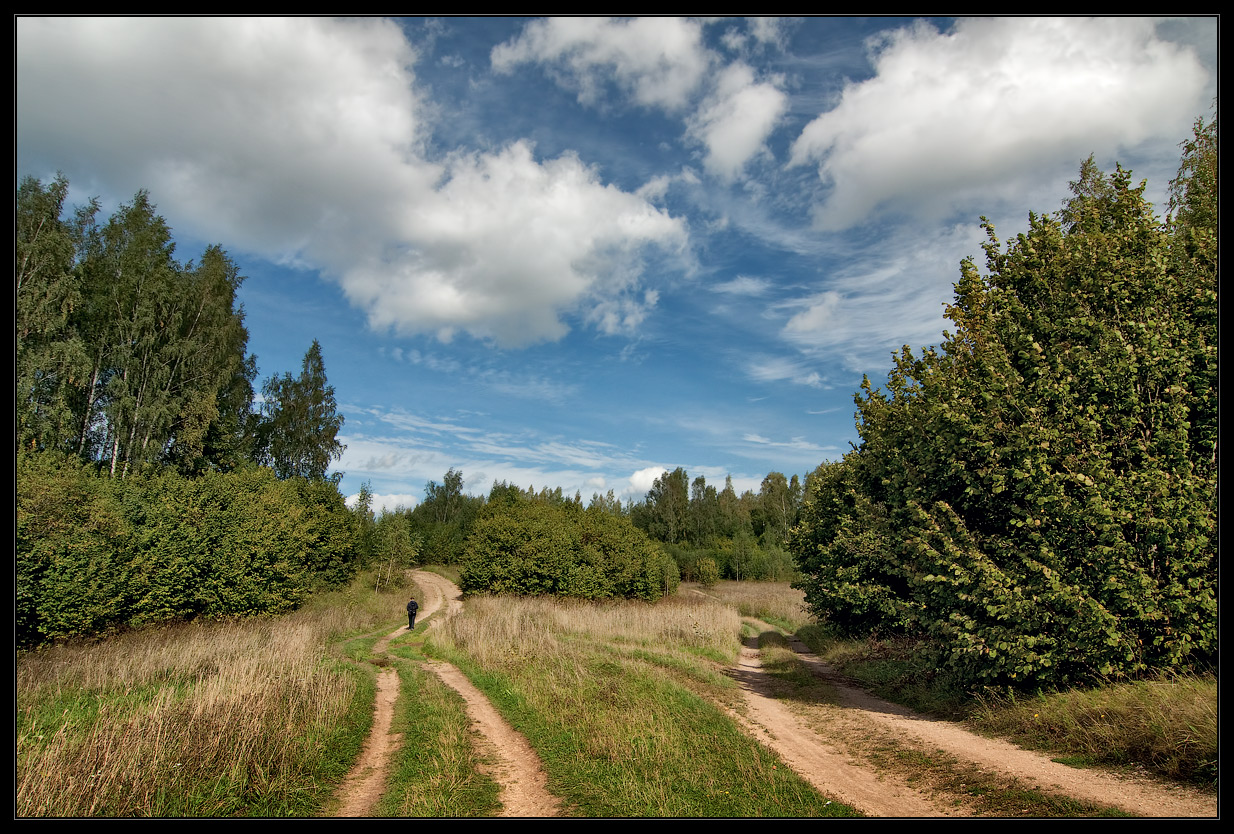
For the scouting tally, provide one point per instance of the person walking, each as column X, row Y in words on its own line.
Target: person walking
column 412, row 608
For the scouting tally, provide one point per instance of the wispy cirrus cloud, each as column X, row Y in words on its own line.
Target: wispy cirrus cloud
column 743, row 285
column 879, row 301
column 778, row 368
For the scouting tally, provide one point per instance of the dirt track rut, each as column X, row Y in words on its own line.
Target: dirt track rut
column 509, row 759
column 833, row 772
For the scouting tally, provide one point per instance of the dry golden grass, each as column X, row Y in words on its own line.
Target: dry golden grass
column 496, row 631
column 774, row 602
column 199, row 718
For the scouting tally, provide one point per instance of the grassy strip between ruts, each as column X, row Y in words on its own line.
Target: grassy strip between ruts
column 620, row 735
column 434, row 772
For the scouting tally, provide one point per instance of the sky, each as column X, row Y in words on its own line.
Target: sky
column 579, row 252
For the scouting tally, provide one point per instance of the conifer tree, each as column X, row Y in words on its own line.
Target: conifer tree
column 300, row 426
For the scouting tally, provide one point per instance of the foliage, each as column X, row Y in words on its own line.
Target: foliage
column 443, row 519
column 50, row 355
column 124, row 355
column 668, row 507
column 298, row 434
column 541, row 548
column 842, row 553
column 708, row 573
column 1038, row 497
column 394, row 548
column 95, row 553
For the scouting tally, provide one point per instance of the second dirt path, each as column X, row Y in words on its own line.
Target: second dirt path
column 831, row 767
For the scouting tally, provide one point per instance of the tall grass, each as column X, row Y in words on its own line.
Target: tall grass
column 1167, row 725
column 774, row 602
column 247, row 717
column 618, row 699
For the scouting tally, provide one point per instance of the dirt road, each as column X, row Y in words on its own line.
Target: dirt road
column 508, row 758
column 832, row 763
column 821, row 742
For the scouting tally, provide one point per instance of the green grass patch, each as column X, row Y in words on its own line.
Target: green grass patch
column 686, row 760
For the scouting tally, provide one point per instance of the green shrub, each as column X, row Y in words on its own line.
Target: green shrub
column 95, row 553
column 708, row 572
column 1038, row 497
column 538, row 548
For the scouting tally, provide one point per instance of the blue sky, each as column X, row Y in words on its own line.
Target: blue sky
column 578, row 252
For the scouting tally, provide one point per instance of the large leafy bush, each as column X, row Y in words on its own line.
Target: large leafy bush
column 94, row 553
column 1038, row 497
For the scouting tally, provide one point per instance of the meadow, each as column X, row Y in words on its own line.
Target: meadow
column 257, row 717
column 626, row 703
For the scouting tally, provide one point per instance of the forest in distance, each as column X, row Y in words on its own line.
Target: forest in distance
column 1035, row 499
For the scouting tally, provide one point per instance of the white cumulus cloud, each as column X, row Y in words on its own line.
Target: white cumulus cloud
column 990, row 103
column 736, row 119
column 303, row 140
column 507, row 245
column 659, row 62
column 643, row 480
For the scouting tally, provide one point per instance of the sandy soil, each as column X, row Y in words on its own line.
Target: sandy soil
column 509, row 759
column 825, row 764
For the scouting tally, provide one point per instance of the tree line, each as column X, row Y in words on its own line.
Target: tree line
column 704, row 534
column 1037, row 498
column 148, row 485
column 126, row 356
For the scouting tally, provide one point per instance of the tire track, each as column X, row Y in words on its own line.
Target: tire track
column 513, row 764
column 825, row 766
